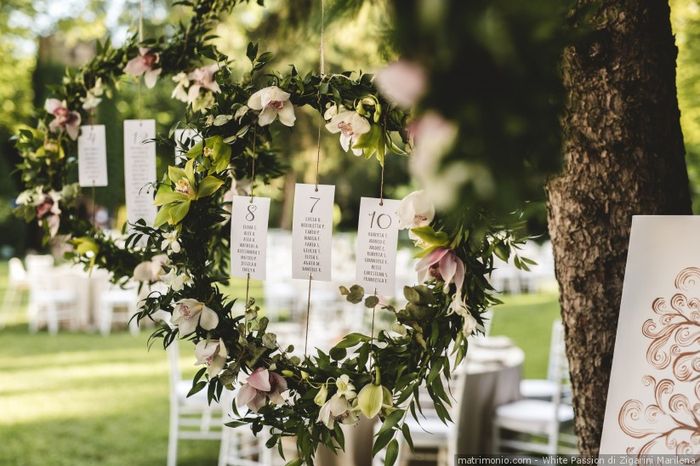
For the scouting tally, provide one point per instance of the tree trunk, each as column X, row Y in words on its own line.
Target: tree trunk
column 624, row 156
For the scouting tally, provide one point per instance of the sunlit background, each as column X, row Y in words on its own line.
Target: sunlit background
column 94, row 395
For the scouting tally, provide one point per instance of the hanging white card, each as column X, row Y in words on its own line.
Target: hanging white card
column 653, row 393
column 182, row 136
column 377, row 238
column 249, row 217
column 312, row 231
column 92, row 156
column 139, row 169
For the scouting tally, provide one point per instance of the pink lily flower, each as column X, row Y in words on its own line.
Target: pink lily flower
column 144, row 64
column 444, row 265
column 64, row 119
column 202, row 78
column 403, row 83
column 261, row 386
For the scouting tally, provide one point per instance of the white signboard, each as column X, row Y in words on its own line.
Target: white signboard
column 377, row 237
column 312, row 231
column 656, row 365
column 249, row 216
column 139, row 169
column 92, row 156
column 182, row 136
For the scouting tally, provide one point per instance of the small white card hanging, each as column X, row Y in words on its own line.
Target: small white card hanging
column 312, row 231
column 249, row 218
column 92, row 156
column 182, row 136
column 377, row 238
column 139, row 169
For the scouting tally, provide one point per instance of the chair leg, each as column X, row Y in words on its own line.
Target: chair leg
column 52, row 318
column 106, row 319
column 33, row 317
column 495, row 439
column 172, row 437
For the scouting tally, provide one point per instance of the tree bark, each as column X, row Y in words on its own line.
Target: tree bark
column 624, row 156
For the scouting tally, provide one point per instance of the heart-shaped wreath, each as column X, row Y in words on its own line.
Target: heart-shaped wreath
column 187, row 248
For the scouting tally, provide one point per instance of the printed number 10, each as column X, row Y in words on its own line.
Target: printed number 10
column 382, row 220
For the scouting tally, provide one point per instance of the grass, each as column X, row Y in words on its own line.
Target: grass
column 80, row 399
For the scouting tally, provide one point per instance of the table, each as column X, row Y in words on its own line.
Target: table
column 493, row 371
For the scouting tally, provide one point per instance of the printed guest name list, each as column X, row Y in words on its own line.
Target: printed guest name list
column 377, row 237
column 249, row 219
column 312, row 231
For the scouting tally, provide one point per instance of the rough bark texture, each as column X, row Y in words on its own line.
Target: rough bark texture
column 623, row 156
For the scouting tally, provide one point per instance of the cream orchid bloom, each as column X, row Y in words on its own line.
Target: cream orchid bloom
column 213, row 354
column 403, row 83
column 181, row 83
column 150, row 270
column 415, row 210
column 202, row 78
column 189, row 313
column 345, row 387
column 351, row 125
column 272, row 102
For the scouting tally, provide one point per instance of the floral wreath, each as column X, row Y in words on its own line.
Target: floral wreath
column 307, row 398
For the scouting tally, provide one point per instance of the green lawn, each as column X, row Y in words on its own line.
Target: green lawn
column 81, row 399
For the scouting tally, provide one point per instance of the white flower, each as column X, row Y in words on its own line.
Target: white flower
column 403, row 83
column 176, row 281
column 150, row 271
column 272, row 102
column 240, row 113
column 459, row 307
column 351, row 125
column 345, row 387
column 25, row 197
column 336, row 409
column 162, row 316
column 170, row 242
column 190, row 312
column 182, row 82
column 92, row 98
column 213, row 354
column 415, row 210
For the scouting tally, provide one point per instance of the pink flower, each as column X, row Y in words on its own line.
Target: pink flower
column 202, row 78
column 47, row 210
column 261, row 386
column 444, row 265
column 403, row 83
column 64, row 119
column 144, row 64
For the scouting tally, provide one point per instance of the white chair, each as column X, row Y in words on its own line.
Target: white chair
column 191, row 418
column 433, row 440
column 537, row 419
column 17, row 282
column 118, row 305
column 545, row 389
column 239, row 447
column 50, row 301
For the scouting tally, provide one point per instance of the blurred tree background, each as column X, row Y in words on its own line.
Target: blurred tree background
column 39, row 38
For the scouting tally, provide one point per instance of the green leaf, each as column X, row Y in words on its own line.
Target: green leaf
column 406, row 431
column 208, row 186
column 196, row 150
column 391, row 421
column 392, row 452
column 162, row 216
column 371, row 301
column 352, row 339
column 178, row 212
column 196, row 388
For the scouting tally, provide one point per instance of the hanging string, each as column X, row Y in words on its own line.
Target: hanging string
column 252, row 195
column 140, row 35
column 322, row 65
column 381, row 187
column 140, row 21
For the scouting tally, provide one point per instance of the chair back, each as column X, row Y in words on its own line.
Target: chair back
column 559, row 374
column 458, row 387
column 17, row 272
column 36, row 262
column 175, row 375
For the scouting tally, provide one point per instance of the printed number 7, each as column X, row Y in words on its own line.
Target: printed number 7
column 315, row 202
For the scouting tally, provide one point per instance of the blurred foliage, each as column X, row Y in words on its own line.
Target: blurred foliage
column 685, row 17
column 494, row 71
